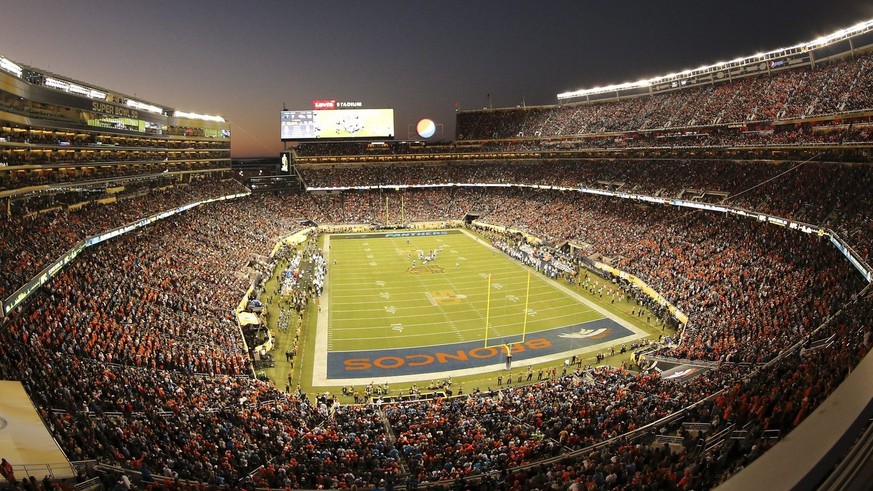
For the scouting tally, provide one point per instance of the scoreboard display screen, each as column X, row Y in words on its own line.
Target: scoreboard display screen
column 338, row 124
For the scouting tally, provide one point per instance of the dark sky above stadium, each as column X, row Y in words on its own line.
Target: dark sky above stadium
column 245, row 59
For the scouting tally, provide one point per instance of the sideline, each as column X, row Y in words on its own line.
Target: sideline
column 319, row 358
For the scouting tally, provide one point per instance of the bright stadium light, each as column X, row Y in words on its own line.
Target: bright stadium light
column 144, row 107
column 203, row 117
column 837, row 36
column 56, row 84
column 74, row 88
column 10, row 66
column 78, row 89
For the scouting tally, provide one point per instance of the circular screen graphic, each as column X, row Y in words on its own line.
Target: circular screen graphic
column 425, row 128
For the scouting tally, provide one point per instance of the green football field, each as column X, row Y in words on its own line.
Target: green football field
column 377, row 300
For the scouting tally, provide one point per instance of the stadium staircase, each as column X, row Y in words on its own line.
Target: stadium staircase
column 389, row 432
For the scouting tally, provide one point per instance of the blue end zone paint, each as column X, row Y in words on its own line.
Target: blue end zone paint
column 457, row 356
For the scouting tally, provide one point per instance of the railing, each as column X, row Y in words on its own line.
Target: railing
column 855, row 466
column 681, row 361
column 54, row 470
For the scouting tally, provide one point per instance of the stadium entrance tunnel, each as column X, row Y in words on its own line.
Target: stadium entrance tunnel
column 469, row 218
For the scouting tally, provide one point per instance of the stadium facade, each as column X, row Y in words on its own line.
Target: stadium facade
column 57, row 129
column 82, row 165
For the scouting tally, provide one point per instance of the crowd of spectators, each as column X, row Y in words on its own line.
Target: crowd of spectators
column 12, row 179
column 497, row 430
column 828, row 135
column 35, row 156
column 183, row 411
column 28, row 243
column 748, row 289
column 715, row 261
column 829, row 194
column 842, row 86
column 773, row 400
column 214, row 429
column 31, row 155
column 63, row 148
column 594, row 222
column 36, row 135
column 819, row 106
column 132, row 357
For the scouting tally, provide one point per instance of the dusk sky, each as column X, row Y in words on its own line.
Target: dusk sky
column 244, row 59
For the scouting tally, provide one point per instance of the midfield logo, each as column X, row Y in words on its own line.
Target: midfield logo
column 445, row 297
column 426, row 269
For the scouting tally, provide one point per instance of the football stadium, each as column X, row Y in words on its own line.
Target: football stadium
column 651, row 285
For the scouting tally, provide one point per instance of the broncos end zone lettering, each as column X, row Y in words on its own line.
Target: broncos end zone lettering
column 471, row 354
column 421, row 360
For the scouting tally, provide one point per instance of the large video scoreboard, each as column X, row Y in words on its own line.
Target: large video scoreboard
column 330, row 120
